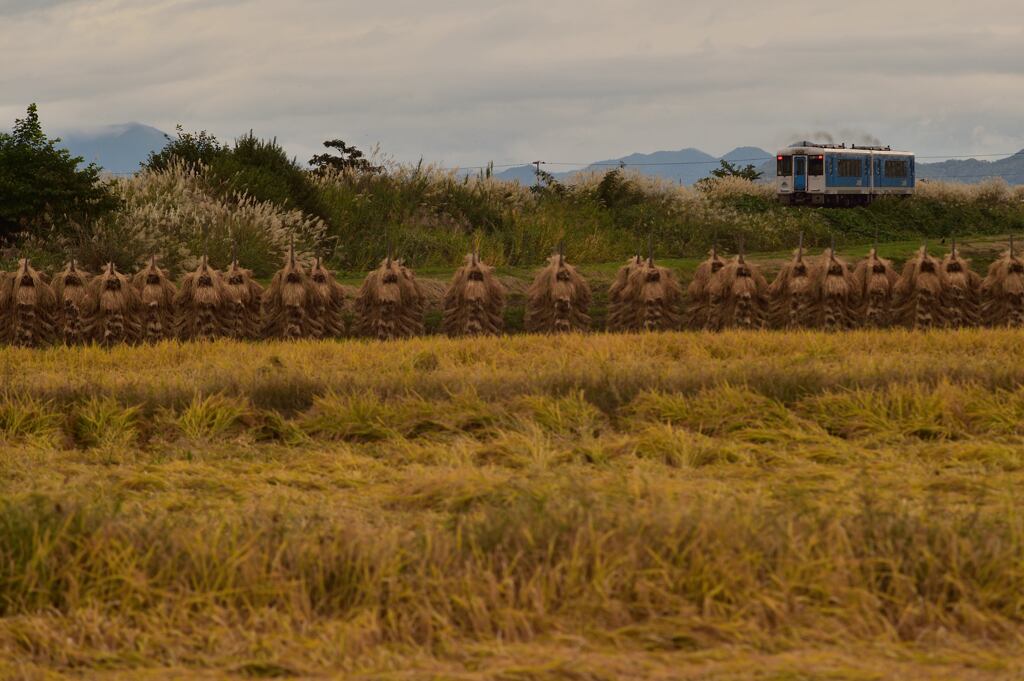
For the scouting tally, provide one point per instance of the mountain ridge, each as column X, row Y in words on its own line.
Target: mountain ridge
column 684, row 166
column 695, row 164
column 120, row 148
column 972, row 170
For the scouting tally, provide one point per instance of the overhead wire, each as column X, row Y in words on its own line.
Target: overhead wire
column 628, row 164
column 648, row 164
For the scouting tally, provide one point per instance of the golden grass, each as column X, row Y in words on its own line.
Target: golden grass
column 991, row 190
column 679, row 505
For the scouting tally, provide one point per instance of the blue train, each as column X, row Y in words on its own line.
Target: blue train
column 837, row 175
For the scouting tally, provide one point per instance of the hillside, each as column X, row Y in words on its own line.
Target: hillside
column 432, row 218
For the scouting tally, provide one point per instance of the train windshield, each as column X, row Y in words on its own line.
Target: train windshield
column 784, row 166
column 816, row 165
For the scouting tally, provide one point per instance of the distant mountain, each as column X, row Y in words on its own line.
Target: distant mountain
column 972, row 170
column 685, row 166
column 689, row 165
column 116, row 148
column 120, row 148
column 524, row 175
column 744, row 155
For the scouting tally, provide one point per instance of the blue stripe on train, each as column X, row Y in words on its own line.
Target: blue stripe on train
column 898, row 179
column 863, row 179
column 834, row 179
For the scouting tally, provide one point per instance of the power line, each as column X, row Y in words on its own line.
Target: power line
column 957, row 177
column 626, row 164
column 970, row 156
column 666, row 163
column 743, row 160
column 621, row 163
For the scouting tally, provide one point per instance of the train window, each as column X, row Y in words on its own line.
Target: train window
column 849, row 167
column 816, row 165
column 895, row 168
column 784, row 167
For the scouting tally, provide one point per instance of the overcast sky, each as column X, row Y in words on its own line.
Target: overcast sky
column 464, row 82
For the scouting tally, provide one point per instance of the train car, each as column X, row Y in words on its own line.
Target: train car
column 837, row 175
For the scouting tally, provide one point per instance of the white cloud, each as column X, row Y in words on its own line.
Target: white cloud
column 465, row 82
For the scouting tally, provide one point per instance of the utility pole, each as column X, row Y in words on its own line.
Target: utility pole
column 536, row 173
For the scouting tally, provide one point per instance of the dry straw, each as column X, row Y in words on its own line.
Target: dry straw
column 919, row 293
column 647, row 297
column 739, row 296
column 329, row 301
column 114, row 313
column 874, row 283
column 825, row 293
column 474, row 303
column 833, row 292
column 157, row 293
column 791, row 293
column 289, row 303
column 1003, row 291
column 961, row 290
column 616, row 310
column 70, row 286
column 6, row 300
column 27, row 307
column 390, row 302
column 201, row 304
column 700, row 310
column 244, row 296
column 558, row 300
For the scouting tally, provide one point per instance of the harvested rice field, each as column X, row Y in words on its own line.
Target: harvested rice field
column 734, row 505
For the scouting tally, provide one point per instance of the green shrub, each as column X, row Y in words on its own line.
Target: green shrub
column 262, row 170
column 195, row 150
column 42, row 186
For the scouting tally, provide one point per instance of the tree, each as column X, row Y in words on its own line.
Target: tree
column 348, row 158
column 262, row 169
column 194, row 149
column 547, row 184
column 748, row 172
column 616, row 190
column 726, row 169
column 42, row 184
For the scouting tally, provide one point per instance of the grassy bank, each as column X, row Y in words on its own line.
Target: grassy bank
column 789, row 505
column 433, row 217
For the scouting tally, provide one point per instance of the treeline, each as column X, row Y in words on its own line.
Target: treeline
column 200, row 195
